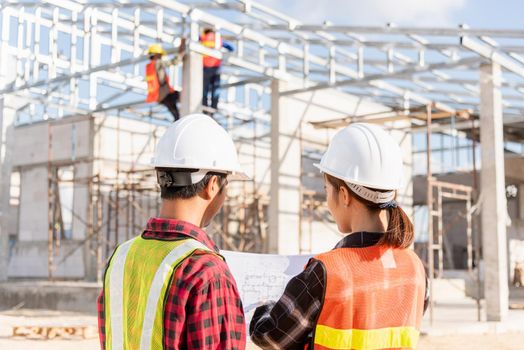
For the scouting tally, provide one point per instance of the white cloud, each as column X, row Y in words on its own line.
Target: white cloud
column 435, row 13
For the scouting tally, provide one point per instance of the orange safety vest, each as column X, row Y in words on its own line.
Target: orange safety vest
column 153, row 84
column 208, row 40
column 374, row 299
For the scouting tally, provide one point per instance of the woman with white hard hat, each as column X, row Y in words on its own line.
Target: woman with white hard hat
column 369, row 292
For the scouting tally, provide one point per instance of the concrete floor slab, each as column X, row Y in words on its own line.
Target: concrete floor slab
column 63, row 296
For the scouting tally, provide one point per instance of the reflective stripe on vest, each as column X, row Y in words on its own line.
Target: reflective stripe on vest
column 374, row 299
column 360, row 339
column 135, row 314
column 115, row 302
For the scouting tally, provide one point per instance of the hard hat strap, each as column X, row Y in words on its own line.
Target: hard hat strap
column 377, row 197
column 170, row 178
column 173, row 178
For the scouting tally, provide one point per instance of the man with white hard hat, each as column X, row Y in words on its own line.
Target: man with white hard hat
column 169, row 288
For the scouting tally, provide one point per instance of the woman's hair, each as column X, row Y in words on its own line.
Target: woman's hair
column 399, row 234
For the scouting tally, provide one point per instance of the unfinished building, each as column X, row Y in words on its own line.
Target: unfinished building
column 77, row 135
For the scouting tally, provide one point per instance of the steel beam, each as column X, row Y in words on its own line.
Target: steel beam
column 390, row 30
column 465, row 62
column 492, row 54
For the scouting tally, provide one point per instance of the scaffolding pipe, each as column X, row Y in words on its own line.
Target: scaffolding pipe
column 429, row 201
column 50, row 194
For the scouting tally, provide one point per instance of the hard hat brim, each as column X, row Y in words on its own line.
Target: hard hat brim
column 232, row 175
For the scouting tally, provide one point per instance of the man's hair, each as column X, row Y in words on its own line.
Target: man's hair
column 208, row 30
column 190, row 191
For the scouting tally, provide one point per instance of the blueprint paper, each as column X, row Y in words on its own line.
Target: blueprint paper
column 262, row 277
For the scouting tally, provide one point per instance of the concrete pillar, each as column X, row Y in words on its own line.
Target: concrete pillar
column 7, row 117
column 284, row 192
column 405, row 194
column 405, row 140
column 494, row 211
column 8, row 105
column 5, row 186
column 4, row 238
column 192, row 82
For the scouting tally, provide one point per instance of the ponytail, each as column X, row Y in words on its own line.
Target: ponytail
column 400, row 233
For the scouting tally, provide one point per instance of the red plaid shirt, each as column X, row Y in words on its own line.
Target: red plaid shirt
column 203, row 309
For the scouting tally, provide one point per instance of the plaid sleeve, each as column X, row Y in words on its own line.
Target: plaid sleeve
column 203, row 309
column 101, row 320
column 287, row 323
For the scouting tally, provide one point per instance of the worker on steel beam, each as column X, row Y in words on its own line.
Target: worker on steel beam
column 211, row 39
column 370, row 291
column 158, row 87
column 169, row 287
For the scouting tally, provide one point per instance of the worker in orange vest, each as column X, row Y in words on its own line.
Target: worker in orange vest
column 370, row 291
column 212, row 68
column 158, row 87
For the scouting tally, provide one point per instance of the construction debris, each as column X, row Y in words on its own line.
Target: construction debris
column 516, row 306
column 55, row 332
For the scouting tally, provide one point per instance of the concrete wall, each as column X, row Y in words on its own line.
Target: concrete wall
column 13, row 225
column 75, row 141
column 71, row 143
column 33, row 205
column 29, row 260
column 130, row 142
column 64, row 296
column 114, row 143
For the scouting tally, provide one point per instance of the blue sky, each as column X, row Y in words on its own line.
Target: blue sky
column 428, row 13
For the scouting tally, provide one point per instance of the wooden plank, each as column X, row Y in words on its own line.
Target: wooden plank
column 55, row 332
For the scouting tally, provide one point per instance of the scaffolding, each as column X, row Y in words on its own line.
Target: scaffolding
column 64, row 59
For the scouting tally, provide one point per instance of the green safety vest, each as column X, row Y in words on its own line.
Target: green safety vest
column 134, row 314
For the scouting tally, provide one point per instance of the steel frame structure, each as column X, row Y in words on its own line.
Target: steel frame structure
column 83, row 57
column 106, row 44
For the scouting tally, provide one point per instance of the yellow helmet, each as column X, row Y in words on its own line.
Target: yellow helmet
column 156, row 49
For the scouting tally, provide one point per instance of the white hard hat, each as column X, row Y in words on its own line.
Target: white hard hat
column 198, row 142
column 365, row 155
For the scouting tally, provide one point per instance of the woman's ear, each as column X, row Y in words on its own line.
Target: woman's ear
column 344, row 196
